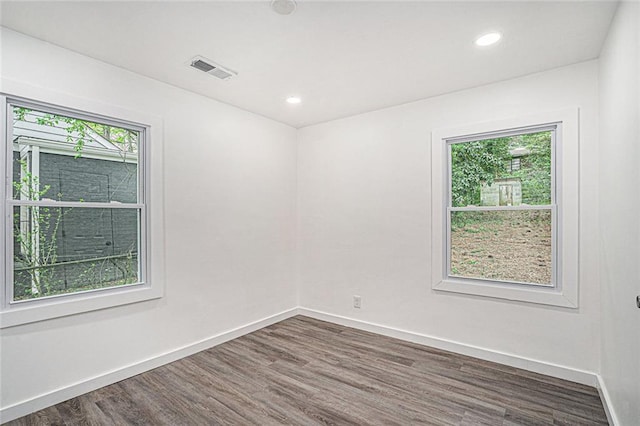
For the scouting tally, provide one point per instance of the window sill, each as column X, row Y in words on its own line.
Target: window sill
column 34, row 310
column 522, row 293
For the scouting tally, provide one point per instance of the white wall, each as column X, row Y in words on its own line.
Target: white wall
column 230, row 181
column 619, row 213
column 364, row 227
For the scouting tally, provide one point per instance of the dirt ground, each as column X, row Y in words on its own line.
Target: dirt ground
column 511, row 246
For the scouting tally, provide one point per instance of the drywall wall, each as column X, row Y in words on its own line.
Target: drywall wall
column 229, row 189
column 619, row 207
column 364, row 222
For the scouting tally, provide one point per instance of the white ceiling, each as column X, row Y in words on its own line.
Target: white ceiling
column 342, row 58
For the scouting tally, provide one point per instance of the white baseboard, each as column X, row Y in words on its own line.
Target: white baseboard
column 62, row 394
column 606, row 402
column 542, row 367
column 48, row 399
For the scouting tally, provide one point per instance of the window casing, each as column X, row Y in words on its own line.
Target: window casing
column 76, row 221
column 557, row 215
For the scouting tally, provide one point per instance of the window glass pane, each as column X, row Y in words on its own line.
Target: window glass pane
column 66, row 159
column 509, row 171
column 66, row 250
column 513, row 245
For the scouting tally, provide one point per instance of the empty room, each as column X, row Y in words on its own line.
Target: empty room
column 320, row 212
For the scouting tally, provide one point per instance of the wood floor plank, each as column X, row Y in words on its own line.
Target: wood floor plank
column 123, row 410
column 303, row 371
column 81, row 412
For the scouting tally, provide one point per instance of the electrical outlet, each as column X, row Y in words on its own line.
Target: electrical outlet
column 357, row 302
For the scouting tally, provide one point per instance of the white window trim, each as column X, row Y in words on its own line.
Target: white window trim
column 556, row 129
column 565, row 292
column 23, row 312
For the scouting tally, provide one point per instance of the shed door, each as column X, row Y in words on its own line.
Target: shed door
column 506, row 195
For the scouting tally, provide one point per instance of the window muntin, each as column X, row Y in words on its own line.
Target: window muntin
column 76, row 203
column 501, row 220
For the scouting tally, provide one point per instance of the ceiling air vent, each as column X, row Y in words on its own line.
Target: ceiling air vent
column 210, row 67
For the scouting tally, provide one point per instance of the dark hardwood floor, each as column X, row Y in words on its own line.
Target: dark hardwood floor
column 306, row 372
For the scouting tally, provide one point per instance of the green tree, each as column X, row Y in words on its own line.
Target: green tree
column 535, row 170
column 473, row 164
column 78, row 130
column 36, row 237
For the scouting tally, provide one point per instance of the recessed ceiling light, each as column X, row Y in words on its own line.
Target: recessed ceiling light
column 488, row 39
column 283, row 7
column 294, row 100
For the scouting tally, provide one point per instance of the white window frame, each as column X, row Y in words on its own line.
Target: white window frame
column 150, row 256
column 565, row 204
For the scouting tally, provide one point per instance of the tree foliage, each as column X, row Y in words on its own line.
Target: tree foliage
column 37, row 242
column 475, row 163
column 78, row 131
column 535, row 171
